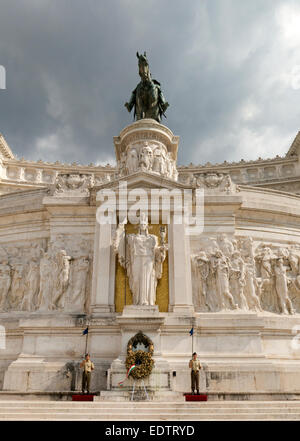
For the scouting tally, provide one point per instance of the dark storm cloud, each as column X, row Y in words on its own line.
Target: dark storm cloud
column 227, row 68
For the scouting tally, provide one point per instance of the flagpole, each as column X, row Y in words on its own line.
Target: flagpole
column 193, row 327
column 86, row 341
column 192, row 343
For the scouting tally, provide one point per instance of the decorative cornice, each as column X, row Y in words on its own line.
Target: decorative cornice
column 241, row 164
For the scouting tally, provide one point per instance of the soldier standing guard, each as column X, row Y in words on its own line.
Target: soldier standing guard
column 195, row 365
column 88, row 367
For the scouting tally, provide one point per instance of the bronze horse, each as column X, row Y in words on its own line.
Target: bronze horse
column 147, row 98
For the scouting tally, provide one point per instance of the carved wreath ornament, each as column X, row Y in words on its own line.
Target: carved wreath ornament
column 142, row 360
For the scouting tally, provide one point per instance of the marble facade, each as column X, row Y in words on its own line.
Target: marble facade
column 237, row 282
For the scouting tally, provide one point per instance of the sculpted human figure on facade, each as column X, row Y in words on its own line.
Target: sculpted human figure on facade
column 17, row 290
column 225, row 245
column 200, row 263
column 226, row 273
column 5, row 281
column 171, row 167
column 47, row 282
column 32, row 285
column 265, row 258
column 237, row 279
column 266, row 263
column 142, row 258
column 146, row 157
column 78, row 283
column 227, row 185
column 159, row 161
column 132, row 161
column 252, row 287
column 150, row 156
column 62, row 266
column 221, row 269
column 294, row 258
column 281, row 283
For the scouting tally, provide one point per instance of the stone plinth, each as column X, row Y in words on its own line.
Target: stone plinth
column 148, row 146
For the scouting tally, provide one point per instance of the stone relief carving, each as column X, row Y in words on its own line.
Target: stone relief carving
column 215, row 181
column 73, row 184
column 142, row 258
column 5, row 278
column 41, row 277
column 151, row 156
column 76, row 295
column 231, row 273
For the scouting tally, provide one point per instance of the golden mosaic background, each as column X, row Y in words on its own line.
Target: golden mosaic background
column 162, row 292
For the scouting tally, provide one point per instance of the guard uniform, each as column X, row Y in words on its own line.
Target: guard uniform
column 88, row 366
column 196, row 366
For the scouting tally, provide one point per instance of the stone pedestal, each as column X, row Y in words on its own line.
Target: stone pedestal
column 159, row 383
column 148, row 146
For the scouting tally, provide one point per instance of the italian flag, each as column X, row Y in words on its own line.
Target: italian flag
column 121, row 383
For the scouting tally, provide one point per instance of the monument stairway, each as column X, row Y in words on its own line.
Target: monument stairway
column 149, row 411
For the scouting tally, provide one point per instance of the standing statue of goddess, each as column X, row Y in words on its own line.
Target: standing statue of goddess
column 142, row 257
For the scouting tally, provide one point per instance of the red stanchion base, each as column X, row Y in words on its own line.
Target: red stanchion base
column 200, row 397
column 83, row 397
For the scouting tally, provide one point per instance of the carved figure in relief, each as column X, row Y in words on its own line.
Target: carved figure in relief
column 32, row 285
column 282, row 287
column 201, row 266
column 5, row 282
column 237, row 279
column 171, row 167
column 132, row 161
column 225, row 245
column 121, row 168
column 17, row 290
column 78, row 283
column 159, row 162
column 62, row 266
column 146, row 157
column 227, row 185
column 294, row 257
column 47, row 282
column 266, row 264
column 221, row 268
column 266, row 277
column 143, row 262
column 252, row 287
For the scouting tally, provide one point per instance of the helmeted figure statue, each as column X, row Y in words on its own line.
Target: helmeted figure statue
column 142, row 257
column 147, row 98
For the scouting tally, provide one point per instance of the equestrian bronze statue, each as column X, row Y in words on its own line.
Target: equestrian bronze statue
column 147, row 98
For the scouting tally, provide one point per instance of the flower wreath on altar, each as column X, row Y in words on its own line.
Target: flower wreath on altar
column 139, row 363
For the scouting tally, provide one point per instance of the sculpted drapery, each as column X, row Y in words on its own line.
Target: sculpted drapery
column 142, row 257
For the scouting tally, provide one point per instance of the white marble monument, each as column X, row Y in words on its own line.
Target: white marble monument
column 236, row 282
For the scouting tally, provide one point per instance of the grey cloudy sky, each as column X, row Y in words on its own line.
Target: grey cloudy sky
column 230, row 70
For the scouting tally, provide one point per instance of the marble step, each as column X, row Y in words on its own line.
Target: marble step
column 53, row 416
column 149, row 404
column 234, row 411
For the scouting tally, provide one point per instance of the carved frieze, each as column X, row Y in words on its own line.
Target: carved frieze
column 46, row 277
column 231, row 273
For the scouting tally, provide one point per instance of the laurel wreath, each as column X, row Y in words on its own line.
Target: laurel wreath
column 142, row 360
